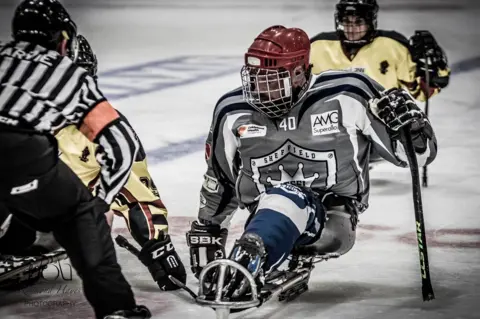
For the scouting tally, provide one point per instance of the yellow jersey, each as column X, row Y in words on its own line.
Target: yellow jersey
column 386, row 59
column 138, row 202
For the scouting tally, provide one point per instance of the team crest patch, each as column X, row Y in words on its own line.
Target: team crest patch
column 384, row 67
column 325, row 123
column 293, row 164
column 85, row 154
column 251, row 130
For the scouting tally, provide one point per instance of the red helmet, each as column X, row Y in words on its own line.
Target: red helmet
column 277, row 70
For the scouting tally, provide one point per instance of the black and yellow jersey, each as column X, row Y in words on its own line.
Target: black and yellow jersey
column 138, row 202
column 386, row 59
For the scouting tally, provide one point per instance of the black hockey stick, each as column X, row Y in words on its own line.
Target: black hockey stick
column 427, row 93
column 124, row 243
column 427, row 289
column 427, row 98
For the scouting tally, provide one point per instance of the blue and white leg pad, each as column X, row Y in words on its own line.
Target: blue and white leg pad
column 283, row 215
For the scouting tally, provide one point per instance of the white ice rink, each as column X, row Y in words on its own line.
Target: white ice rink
column 164, row 64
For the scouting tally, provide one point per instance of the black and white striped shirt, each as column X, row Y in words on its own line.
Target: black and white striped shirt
column 44, row 91
column 44, row 88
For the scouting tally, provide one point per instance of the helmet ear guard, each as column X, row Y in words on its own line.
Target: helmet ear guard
column 84, row 56
column 69, row 45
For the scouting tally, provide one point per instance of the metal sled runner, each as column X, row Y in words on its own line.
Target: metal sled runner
column 287, row 284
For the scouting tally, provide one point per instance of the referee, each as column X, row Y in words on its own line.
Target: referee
column 41, row 91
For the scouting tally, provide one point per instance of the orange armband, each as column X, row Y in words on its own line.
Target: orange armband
column 99, row 117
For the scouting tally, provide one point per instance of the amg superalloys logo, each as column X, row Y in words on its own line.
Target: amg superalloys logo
column 325, row 123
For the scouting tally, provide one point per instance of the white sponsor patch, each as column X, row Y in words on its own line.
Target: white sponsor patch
column 325, row 123
column 251, row 130
column 210, row 184
column 25, row 188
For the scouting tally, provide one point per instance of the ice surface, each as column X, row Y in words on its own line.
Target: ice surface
column 380, row 277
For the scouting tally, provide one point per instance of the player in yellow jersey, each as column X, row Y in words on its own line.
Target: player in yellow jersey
column 386, row 56
column 138, row 202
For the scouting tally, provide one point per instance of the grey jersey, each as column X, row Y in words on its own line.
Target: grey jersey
column 323, row 143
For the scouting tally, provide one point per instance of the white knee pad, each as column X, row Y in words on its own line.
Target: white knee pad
column 286, row 207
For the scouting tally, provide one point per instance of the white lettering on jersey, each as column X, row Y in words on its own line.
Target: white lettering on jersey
column 356, row 69
column 306, row 160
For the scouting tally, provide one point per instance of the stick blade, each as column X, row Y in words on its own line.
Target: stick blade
column 427, row 292
column 121, row 241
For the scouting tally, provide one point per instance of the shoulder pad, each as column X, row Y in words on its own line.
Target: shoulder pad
column 400, row 38
column 340, row 78
column 329, row 36
column 237, row 93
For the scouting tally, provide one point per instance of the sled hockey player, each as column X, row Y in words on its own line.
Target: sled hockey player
column 138, row 202
column 42, row 90
column 293, row 149
column 388, row 57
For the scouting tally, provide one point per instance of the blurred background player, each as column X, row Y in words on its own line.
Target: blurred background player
column 293, row 149
column 138, row 202
column 42, row 90
column 386, row 56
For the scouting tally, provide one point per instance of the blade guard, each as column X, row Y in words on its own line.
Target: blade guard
column 218, row 303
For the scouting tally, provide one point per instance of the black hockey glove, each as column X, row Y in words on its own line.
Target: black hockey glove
column 162, row 260
column 207, row 243
column 423, row 44
column 397, row 109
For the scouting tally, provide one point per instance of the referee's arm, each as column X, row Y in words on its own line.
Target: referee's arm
column 118, row 145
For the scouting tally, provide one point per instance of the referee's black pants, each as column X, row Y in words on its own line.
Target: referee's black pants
column 44, row 193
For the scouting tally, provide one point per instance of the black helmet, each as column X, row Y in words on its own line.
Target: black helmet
column 85, row 57
column 366, row 9
column 43, row 22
